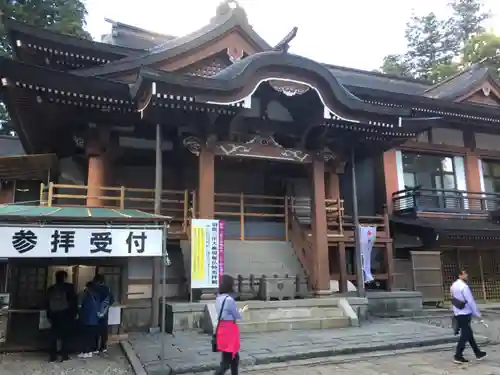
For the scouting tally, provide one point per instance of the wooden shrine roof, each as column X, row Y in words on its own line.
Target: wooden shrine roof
column 26, row 167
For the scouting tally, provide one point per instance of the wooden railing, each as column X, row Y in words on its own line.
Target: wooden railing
column 174, row 203
column 300, row 243
column 335, row 216
column 245, row 208
column 258, row 216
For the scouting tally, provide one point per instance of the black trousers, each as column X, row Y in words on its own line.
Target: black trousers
column 89, row 336
column 102, row 335
column 60, row 331
column 466, row 335
column 228, row 362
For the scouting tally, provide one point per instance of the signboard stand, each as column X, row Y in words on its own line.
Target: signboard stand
column 207, row 254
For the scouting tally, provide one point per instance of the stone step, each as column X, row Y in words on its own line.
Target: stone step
column 294, row 324
column 273, row 314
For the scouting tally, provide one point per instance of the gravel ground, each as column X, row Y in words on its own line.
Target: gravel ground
column 114, row 363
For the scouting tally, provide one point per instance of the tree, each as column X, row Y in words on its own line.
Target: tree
column 467, row 20
column 481, row 47
column 426, row 44
column 435, row 47
column 62, row 16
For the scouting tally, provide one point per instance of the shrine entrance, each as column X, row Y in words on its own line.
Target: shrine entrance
column 83, row 242
column 27, row 282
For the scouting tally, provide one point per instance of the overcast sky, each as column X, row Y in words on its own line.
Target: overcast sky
column 353, row 33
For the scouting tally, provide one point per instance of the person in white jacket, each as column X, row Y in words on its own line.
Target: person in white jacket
column 464, row 308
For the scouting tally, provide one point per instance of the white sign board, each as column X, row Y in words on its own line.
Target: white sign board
column 64, row 242
column 207, row 253
column 367, row 237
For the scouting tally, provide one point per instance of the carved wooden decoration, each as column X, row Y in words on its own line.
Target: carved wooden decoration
column 288, row 88
column 260, row 151
column 260, row 147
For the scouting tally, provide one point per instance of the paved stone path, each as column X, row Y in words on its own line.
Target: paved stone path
column 428, row 363
column 114, row 363
column 191, row 352
column 491, row 318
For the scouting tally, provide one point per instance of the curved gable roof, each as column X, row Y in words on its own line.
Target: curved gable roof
column 242, row 78
column 220, row 25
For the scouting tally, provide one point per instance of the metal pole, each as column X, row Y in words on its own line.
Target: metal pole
column 164, row 259
column 158, row 170
column 355, row 219
column 157, row 210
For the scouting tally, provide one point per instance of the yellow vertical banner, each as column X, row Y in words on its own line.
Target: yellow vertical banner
column 198, row 253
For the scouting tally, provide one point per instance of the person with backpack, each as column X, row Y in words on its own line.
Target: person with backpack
column 106, row 300
column 61, row 307
column 89, row 320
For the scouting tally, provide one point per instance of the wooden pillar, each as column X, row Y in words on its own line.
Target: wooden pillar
column 333, row 192
column 96, row 176
column 332, row 185
column 390, row 176
column 321, row 263
column 206, row 183
column 472, row 172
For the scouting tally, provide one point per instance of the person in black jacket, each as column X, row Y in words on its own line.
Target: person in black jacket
column 61, row 307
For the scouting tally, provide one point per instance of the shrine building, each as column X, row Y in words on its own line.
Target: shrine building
column 229, row 127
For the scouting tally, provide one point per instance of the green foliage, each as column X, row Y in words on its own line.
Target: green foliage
column 396, row 65
column 467, row 20
column 437, row 48
column 62, row 16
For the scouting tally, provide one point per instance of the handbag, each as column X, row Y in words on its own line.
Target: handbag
column 458, row 303
column 214, row 336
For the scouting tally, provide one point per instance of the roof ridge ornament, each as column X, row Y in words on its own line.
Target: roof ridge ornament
column 284, row 44
column 229, row 7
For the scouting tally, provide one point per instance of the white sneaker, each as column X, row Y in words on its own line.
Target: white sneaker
column 85, row 355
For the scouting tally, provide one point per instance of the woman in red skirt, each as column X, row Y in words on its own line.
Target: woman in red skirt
column 228, row 333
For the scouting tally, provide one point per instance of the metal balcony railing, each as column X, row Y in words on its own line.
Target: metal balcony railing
column 420, row 199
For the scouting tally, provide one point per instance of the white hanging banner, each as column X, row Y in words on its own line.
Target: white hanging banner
column 367, row 236
column 207, row 253
column 67, row 242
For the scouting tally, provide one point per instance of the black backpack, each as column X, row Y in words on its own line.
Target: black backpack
column 58, row 299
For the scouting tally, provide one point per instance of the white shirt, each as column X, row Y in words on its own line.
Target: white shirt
column 461, row 291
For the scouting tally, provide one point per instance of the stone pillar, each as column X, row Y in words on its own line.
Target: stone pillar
column 96, row 177
column 206, row 183
column 321, row 264
column 389, row 265
column 343, row 269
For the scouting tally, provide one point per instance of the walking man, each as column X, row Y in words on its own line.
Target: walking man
column 464, row 308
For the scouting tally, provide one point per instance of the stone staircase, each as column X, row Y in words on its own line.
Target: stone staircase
column 254, row 258
column 305, row 314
